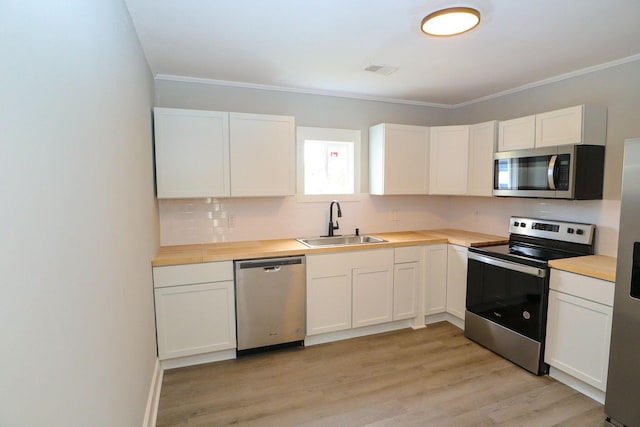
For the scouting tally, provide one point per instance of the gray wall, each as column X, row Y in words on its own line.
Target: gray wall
column 79, row 219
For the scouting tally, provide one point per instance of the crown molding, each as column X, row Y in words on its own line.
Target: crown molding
column 558, row 78
column 228, row 83
column 550, row 80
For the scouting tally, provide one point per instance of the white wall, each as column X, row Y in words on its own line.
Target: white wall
column 223, row 220
column 79, row 220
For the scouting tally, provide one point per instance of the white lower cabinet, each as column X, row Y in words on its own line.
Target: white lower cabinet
column 407, row 280
column 456, row 280
column 372, row 295
column 579, row 326
column 435, row 283
column 354, row 289
column 328, row 293
column 195, row 310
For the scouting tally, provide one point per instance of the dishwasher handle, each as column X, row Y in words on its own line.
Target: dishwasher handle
column 269, row 264
column 271, row 269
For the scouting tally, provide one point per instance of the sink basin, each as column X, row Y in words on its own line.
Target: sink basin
column 348, row 240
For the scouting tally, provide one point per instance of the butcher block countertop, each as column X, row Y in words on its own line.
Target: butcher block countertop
column 210, row 252
column 598, row 266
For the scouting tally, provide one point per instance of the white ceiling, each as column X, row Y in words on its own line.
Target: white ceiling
column 323, row 46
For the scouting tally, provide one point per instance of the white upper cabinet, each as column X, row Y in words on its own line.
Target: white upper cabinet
column 449, row 159
column 192, row 153
column 398, row 159
column 262, row 155
column 582, row 124
column 517, row 134
column 215, row 154
column 482, row 144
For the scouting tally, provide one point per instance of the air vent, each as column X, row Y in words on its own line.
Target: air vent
column 384, row 70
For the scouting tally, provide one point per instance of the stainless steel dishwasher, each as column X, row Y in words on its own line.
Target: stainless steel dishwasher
column 270, row 302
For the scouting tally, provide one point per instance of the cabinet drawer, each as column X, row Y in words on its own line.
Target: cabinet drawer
column 407, row 254
column 585, row 287
column 192, row 273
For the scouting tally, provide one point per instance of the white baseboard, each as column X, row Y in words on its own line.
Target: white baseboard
column 151, row 411
column 357, row 332
column 216, row 356
column 444, row 317
column 578, row 385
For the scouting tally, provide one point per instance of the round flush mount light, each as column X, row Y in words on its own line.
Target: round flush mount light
column 450, row 22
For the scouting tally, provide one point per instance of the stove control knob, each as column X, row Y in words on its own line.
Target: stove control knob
column 516, row 223
column 580, row 231
column 523, row 224
column 570, row 230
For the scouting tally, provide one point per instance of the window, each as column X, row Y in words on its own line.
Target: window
column 328, row 163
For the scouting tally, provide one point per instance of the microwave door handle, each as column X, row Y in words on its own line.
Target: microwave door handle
column 551, row 172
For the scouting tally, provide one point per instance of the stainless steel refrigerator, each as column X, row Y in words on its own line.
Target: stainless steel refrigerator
column 622, row 404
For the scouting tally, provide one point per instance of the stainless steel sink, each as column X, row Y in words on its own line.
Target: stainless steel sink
column 347, row 240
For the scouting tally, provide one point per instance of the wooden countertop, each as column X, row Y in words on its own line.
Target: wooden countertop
column 598, row 266
column 210, row 252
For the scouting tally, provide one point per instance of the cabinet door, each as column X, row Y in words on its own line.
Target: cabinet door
column 406, row 279
column 456, row 280
column 192, row 153
column 328, row 303
column 448, row 159
column 399, row 159
column 482, row 145
column 372, row 296
column 517, row 134
column 328, row 293
column 262, row 153
column 578, row 337
column 435, row 267
column 195, row 319
column 560, row 127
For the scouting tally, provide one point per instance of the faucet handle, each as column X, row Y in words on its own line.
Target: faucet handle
column 337, row 226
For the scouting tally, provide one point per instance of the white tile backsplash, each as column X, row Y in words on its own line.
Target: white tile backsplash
column 188, row 221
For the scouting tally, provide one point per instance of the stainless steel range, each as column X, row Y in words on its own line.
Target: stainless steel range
column 508, row 287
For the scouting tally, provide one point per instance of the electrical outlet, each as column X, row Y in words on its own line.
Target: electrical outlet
column 230, row 221
column 395, row 215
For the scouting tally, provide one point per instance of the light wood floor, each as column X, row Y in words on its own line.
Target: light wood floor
column 427, row 377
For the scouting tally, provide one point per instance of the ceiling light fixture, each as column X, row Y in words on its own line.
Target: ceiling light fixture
column 450, row 22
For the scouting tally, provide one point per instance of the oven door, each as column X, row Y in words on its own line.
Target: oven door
column 507, row 293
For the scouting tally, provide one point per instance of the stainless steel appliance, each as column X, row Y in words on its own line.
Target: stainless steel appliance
column 508, row 287
column 564, row 172
column 270, row 302
column 623, row 382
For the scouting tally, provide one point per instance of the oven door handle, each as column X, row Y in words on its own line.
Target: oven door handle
column 526, row 269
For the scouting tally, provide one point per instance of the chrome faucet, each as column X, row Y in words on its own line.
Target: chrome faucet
column 333, row 226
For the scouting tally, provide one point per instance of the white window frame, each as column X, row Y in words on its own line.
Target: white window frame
column 327, row 134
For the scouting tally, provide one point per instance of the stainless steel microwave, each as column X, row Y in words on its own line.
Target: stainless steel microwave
column 564, row 172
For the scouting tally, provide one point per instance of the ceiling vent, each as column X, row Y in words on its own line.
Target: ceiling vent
column 383, row 70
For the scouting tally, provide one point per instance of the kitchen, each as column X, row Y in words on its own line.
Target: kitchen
column 78, row 322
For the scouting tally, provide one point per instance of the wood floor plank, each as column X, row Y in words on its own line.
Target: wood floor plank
column 431, row 376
